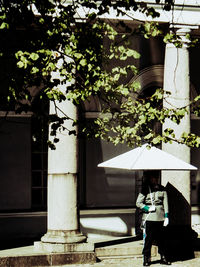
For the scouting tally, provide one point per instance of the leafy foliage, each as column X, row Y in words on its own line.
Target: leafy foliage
column 56, row 44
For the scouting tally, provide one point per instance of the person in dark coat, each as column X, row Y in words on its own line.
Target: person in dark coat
column 153, row 202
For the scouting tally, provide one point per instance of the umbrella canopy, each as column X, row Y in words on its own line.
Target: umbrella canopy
column 143, row 158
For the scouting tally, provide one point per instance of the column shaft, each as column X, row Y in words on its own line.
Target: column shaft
column 176, row 81
column 63, row 225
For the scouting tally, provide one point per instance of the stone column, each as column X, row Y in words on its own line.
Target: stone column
column 63, row 225
column 177, row 81
column 63, row 233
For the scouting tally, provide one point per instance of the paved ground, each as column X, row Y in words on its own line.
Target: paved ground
column 109, row 254
column 136, row 263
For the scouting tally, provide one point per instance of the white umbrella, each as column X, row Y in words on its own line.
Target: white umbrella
column 143, row 158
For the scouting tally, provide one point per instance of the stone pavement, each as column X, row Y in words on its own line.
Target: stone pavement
column 118, row 252
column 136, row 262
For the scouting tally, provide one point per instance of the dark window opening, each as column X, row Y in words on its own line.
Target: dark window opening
column 39, row 155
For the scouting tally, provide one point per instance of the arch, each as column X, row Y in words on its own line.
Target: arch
column 153, row 76
column 149, row 77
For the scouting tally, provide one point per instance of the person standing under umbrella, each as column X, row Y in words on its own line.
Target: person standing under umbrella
column 153, row 202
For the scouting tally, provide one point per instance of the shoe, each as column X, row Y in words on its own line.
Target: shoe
column 146, row 261
column 164, row 261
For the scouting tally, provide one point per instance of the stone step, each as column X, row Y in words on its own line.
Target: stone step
column 124, row 247
column 29, row 256
column 48, row 260
column 105, row 250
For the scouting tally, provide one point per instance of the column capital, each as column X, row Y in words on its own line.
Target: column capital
column 184, row 27
column 182, row 31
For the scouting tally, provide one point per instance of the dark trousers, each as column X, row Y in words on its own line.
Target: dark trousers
column 153, row 232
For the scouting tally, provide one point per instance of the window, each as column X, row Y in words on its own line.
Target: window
column 39, row 159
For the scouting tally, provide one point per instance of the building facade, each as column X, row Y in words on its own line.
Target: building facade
column 106, row 197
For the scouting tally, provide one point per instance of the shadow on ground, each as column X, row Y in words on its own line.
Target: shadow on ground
column 117, row 241
column 180, row 242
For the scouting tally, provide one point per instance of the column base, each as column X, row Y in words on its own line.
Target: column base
column 63, row 241
column 63, row 237
column 63, row 248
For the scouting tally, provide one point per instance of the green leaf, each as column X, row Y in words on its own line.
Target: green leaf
column 77, row 55
column 148, row 136
column 83, row 62
column 4, row 25
column 156, row 140
column 34, row 70
column 34, row 56
column 133, row 53
column 148, row 105
column 20, row 64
